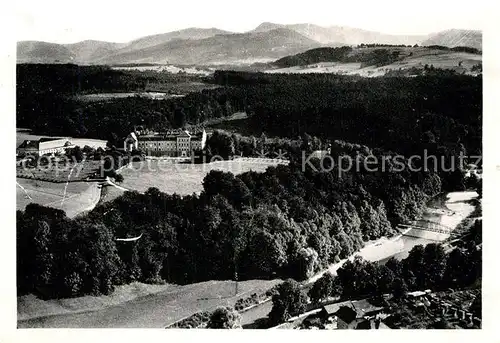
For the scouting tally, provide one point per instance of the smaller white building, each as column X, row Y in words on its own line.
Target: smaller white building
column 44, row 146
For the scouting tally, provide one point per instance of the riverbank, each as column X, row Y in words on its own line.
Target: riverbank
column 449, row 211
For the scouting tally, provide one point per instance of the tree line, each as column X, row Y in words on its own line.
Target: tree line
column 286, row 222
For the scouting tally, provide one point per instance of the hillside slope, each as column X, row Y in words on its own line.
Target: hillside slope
column 266, row 42
column 243, row 47
column 190, row 33
column 341, row 35
column 377, row 61
column 453, row 38
column 43, row 52
column 90, row 50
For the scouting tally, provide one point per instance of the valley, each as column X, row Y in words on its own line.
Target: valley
column 199, row 172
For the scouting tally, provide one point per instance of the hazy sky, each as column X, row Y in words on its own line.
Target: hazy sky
column 121, row 21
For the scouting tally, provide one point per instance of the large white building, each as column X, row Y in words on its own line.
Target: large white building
column 44, row 146
column 175, row 143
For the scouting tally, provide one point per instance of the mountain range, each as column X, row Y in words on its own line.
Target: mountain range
column 268, row 41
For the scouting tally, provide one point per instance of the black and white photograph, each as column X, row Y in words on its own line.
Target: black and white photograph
column 261, row 165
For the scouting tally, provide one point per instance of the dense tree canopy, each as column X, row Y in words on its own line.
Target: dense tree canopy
column 224, row 318
column 287, row 222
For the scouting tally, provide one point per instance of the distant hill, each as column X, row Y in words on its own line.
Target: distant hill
column 190, row 33
column 224, row 48
column 90, row 50
column 340, row 35
column 453, row 38
column 267, row 26
column 314, row 56
column 378, row 60
column 43, row 52
column 268, row 41
column 367, row 56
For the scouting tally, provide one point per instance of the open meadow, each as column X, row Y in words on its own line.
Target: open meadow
column 460, row 62
column 163, row 306
column 169, row 68
column 60, row 170
column 185, row 179
column 73, row 198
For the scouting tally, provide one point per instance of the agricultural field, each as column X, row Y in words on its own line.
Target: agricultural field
column 29, row 306
column 113, row 96
column 461, row 62
column 72, row 197
column 109, row 193
column 169, row 68
column 185, row 179
column 59, row 170
column 157, row 310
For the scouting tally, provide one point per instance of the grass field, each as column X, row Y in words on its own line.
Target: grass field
column 419, row 58
column 109, row 193
column 157, row 310
column 60, row 171
column 169, row 68
column 184, row 179
column 74, row 198
column 112, row 96
column 29, row 306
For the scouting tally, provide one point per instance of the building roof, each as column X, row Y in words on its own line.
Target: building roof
column 416, row 293
column 48, row 139
column 54, row 143
column 184, row 134
column 360, row 308
column 319, row 154
column 332, row 308
column 363, row 307
column 29, row 144
column 199, row 134
column 132, row 136
column 346, row 313
column 45, row 143
column 170, row 135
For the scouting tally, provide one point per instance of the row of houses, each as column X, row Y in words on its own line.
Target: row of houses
column 355, row 314
column 420, row 308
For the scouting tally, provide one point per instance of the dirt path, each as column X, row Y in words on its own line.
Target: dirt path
column 66, row 185
column 24, row 190
column 90, row 199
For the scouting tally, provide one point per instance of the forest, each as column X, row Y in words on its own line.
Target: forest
column 288, row 222
column 282, row 223
column 438, row 112
column 375, row 57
